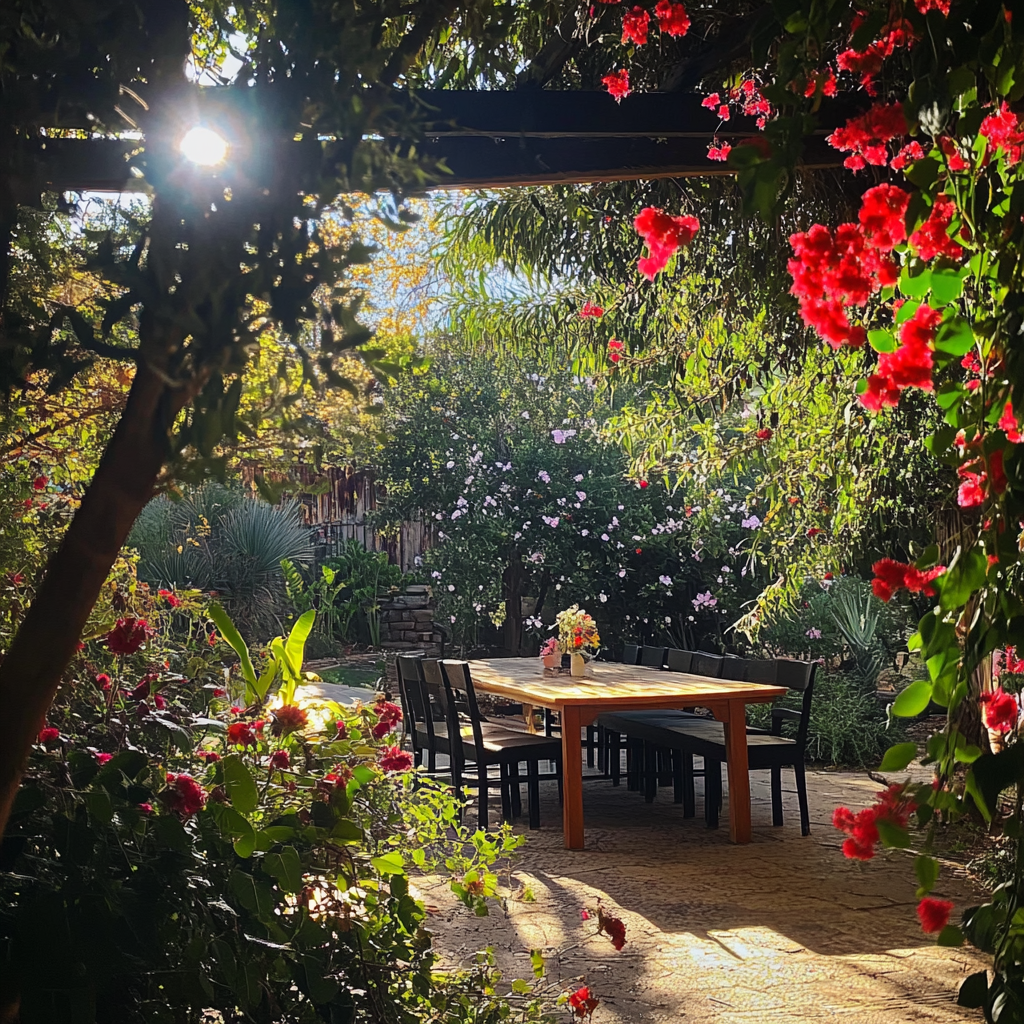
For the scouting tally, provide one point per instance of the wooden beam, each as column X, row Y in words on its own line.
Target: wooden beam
column 494, row 139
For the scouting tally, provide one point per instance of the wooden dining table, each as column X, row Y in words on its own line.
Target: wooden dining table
column 608, row 687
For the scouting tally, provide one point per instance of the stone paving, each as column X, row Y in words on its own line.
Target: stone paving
column 783, row 929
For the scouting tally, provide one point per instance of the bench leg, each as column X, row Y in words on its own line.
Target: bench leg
column 712, row 791
column 533, row 793
column 776, row 796
column 689, row 797
column 615, row 756
column 650, row 772
column 513, row 781
column 801, row 794
column 602, row 750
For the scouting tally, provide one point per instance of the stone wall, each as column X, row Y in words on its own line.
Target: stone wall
column 407, row 623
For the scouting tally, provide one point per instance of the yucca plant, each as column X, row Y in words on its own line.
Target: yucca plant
column 856, row 611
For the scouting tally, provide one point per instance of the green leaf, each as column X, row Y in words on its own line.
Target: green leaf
column 347, row 831
column 389, row 863
column 897, row 757
column 923, row 173
column 955, row 336
column 914, row 287
column 235, row 828
column 892, row 835
column 951, row 936
column 234, row 638
column 974, row 991
column 947, row 285
column 239, row 783
column 286, row 867
column 913, row 700
column 965, row 576
column 882, row 341
column 927, row 870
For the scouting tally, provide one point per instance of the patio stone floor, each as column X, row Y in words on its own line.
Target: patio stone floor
column 783, row 929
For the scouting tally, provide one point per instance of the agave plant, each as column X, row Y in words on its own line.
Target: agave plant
column 216, row 539
column 856, row 613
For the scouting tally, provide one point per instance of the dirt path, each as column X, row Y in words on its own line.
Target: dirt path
column 784, row 929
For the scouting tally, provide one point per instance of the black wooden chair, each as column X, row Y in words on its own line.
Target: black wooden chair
column 631, row 654
column 415, row 715
column 484, row 745
column 652, row 657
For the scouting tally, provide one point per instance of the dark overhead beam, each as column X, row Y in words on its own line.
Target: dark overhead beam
column 492, row 139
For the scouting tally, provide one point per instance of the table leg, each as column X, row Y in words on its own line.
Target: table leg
column 529, row 713
column 572, row 779
column 735, row 720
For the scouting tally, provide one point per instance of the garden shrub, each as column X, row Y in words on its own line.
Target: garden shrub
column 181, row 845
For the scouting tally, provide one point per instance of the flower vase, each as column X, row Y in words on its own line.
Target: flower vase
column 577, row 666
column 552, row 660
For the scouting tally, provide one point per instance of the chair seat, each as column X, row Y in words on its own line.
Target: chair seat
column 510, row 745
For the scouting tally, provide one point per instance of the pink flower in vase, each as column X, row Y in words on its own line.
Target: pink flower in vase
column 549, row 647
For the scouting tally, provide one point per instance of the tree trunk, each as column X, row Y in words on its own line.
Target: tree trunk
column 48, row 636
column 512, row 584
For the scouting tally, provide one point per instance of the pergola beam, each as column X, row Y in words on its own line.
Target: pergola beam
column 495, row 139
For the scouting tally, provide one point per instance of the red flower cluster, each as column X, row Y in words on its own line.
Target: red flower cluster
column 867, row 63
column 891, row 576
column 102, row 757
column 865, row 138
column 209, row 756
column 103, row 681
column 663, row 235
column 910, row 366
column 764, row 434
column 288, row 718
column 932, row 239
column 924, row 6
column 881, row 215
column 128, row 636
column 617, row 84
column 168, row 595
column 672, row 18
column 999, row 710
column 1014, row 665
column 977, row 478
column 241, row 734
column 394, row 759
column 721, row 152
column 48, row 735
column 581, row 1002
column 184, row 794
column 39, row 484
column 339, row 778
column 635, row 23
column 612, row 927
column 1008, row 424
column 893, row 806
column 615, row 350
column 279, row 760
column 954, row 158
column 589, row 309
column 825, row 80
column 388, row 715
column 910, row 152
column 934, row 914
column 1002, row 130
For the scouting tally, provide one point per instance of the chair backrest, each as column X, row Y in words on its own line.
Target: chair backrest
column 678, row 661
column 459, row 694
column 652, row 657
column 630, row 654
column 704, row 664
column 410, row 693
column 749, row 670
column 799, row 676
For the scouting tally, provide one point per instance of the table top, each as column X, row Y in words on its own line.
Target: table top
column 611, row 685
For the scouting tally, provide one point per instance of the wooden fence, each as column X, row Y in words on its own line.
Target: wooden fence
column 335, row 508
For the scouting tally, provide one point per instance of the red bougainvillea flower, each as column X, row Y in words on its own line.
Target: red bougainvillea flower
column 339, row 777
column 711, row 101
column 581, row 1002
column 663, row 235
column 866, row 137
column 764, row 434
column 1008, row 424
column 287, row 719
column 128, row 636
column 867, row 63
column 909, row 366
column 219, row 692
column 159, row 701
column 932, row 239
column 617, row 84
column 102, row 757
column 643, row 484
column 1002, row 129
column 924, row 6
column 882, row 213
column 933, row 914
column 146, row 808
column 826, row 80
column 723, row 112
column 612, row 927
column 615, row 350
column 184, row 794
column 813, row 531
column 279, row 760
column 39, row 484
column 719, row 152
column 589, row 309
column 240, row 734
column 210, row 756
column 635, row 23
column 169, row 597
column 971, row 491
column 910, row 152
column 893, row 806
column 672, row 18
column 1014, row 665
column 394, row 759
column 48, row 734
column 388, row 716
column 103, row 681
column 342, row 729
column 212, row 639
column 999, row 710
column 891, row 576
column 828, row 576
